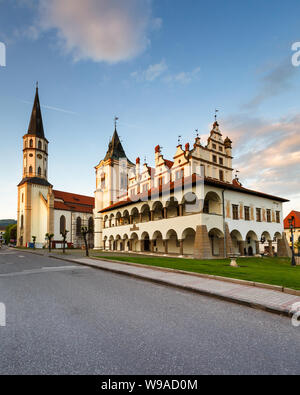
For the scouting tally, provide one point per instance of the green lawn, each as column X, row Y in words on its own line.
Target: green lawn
column 275, row 271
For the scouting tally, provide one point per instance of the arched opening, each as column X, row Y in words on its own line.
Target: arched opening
column 172, row 208
column 62, row 224
column 158, row 211
column 237, row 242
column 134, row 241
column 217, row 242
column 30, row 170
column 188, row 237
column 134, row 215
column 39, row 171
column 191, row 204
column 173, row 246
column 118, row 219
column 91, row 232
column 212, row 204
column 111, row 243
column 31, row 143
column 158, row 243
column 111, row 220
column 145, row 213
column 119, row 243
column 22, row 221
column 40, row 145
column 126, row 243
column 252, row 244
column 105, row 222
column 145, row 239
column 78, row 226
column 105, row 243
column 126, row 218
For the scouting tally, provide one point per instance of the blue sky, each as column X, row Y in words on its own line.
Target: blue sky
column 162, row 66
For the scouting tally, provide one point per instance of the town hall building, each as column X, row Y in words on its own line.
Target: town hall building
column 189, row 206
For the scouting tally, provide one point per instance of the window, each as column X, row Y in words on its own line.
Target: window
column 247, row 213
column 235, row 211
column 221, row 174
column 123, row 181
column 40, row 145
column 220, row 149
column 103, row 181
column 269, row 216
column 22, row 221
column 145, row 188
column 221, row 162
column 214, row 146
column 31, row 143
column 258, row 215
column 179, row 174
column 62, row 224
column 215, row 159
column 78, row 226
column 91, row 225
column 39, row 171
column 160, row 181
column 30, row 170
column 22, row 197
column 278, row 217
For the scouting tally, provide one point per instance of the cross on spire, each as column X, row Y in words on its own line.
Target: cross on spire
column 216, row 114
column 179, row 139
column 116, row 121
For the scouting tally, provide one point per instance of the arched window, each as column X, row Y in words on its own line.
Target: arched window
column 62, row 226
column 78, row 226
column 31, row 143
column 91, row 225
column 26, row 143
column 40, row 145
column 45, row 173
column 39, row 171
column 30, row 170
column 22, row 221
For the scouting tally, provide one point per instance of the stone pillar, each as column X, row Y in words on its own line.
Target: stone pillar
column 109, row 223
column 229, row 245
column 151, row 245
column 131, row 220
column 271, row 248
column 202, row 247
column 151, row 215
column 242, row 245
column 256, row 247
column 166, row 246
column 140, row 217
column 180, row 210
column 165, row 213
column 283, row 248
column 109, row 246
column 181, row 246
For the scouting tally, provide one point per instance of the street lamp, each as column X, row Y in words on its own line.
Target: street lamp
column 292, row 228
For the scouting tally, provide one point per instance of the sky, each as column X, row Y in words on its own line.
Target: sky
column 162, row 67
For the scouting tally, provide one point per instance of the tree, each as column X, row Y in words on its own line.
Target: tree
column 49, row 237
column 85, row 231
column 64, row 236
column 10, row 233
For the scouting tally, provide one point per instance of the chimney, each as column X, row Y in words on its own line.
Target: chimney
column 137, row 169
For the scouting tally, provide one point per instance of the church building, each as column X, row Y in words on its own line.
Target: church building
column 41, row 209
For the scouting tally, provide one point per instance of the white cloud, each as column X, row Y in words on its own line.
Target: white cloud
column 159, row 70
column 100, row 30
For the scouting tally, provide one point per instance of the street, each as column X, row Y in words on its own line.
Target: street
column 64, row 318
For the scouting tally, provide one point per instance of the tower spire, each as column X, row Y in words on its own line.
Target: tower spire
column 36, row 127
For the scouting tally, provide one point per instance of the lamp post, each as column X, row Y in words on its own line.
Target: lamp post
column 292, row 228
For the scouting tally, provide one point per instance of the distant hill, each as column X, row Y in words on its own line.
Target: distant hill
column 5, row 222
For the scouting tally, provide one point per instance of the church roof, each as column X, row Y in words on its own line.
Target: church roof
column 73, row 202
column 115, row 149
column 36, row 127
column 36, row 181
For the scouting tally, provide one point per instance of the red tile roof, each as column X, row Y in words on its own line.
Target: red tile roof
column 169, row 163
column 73, row 202
column 296, row 214
column 166, row 188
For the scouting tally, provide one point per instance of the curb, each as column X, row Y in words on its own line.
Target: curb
column 258, row 306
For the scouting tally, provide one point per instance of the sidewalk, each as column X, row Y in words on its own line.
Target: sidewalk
column 237, row 291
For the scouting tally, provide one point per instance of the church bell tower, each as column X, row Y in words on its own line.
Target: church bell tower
column 35, row 197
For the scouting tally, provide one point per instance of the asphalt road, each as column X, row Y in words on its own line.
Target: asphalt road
column 68, row 319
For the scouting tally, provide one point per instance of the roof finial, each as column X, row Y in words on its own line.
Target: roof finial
column 37, row 85
column 116, row 121
column 197, row 133
column 179, row 139
column 216, row 115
